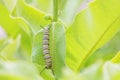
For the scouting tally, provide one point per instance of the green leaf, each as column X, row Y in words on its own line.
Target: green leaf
column 111, row 71
column 11, row 28
column 9, row 4
column 100, row 71
column 97, row 71
column 29, row 1
column 15, row 28
column 46, row 74
column 69, row 8
column 37, row 49
column 18, row 70
column 57, row 48
column 70, row 75
column 26, row 38
column 4, row 43
column 33, row 17
column 9, row 51
column 91, row 29
column 11, row 77
column 23, row 25
column 65, row 6
column 93, row 72
column 106, row 52
column 43, row 5
column 116, row 58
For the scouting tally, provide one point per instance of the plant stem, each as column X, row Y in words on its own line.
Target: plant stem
column 55, row 10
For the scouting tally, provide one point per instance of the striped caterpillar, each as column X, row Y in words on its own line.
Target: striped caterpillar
column 46, row 50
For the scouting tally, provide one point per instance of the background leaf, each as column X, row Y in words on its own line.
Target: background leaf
column 105, row 53
column 43, row 5
column 111, row 71
column 116, row 59
column 89, row 39
column 65, row 6
column 33, row 17
column 9, row 4
column 91, row 29
column 9, row 51
column 72, row 7
column 18, row 70
column 12, row 30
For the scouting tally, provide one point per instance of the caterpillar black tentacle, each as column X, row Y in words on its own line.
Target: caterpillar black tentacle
column 46, row 50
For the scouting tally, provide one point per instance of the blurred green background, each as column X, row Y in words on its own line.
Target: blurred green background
column 87, row 23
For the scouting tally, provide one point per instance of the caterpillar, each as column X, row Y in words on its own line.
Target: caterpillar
column 49, row 48
column 46, row 50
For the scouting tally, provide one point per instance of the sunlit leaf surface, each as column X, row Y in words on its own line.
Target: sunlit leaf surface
column 8, row 52
column 33, row 17
column 14, row 29
column 57, row 48
column 18, row 71
column 91, row 28
column 106, row 52
column 116, row 59
column 90, row 40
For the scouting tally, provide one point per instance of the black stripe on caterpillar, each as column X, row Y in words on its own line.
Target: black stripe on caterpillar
column 46, row 50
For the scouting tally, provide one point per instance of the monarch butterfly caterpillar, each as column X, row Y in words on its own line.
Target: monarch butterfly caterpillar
column 46, row 50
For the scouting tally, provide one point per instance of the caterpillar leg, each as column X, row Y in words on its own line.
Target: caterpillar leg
column 43, row 70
